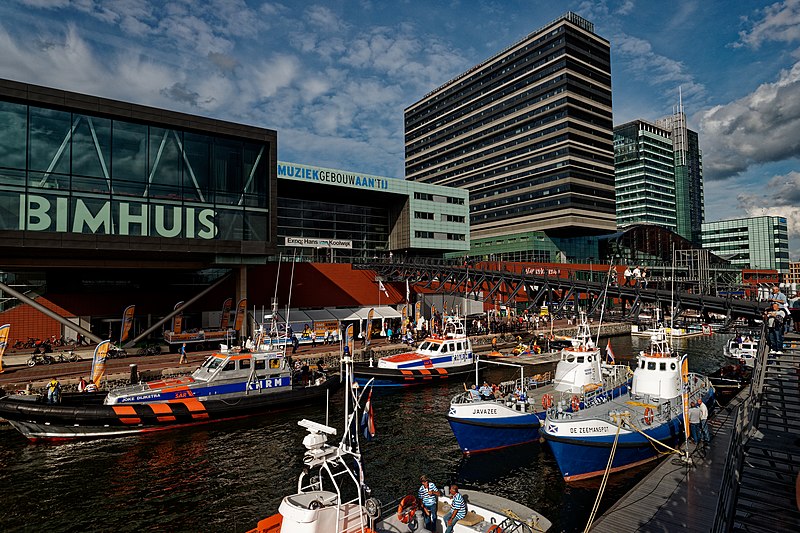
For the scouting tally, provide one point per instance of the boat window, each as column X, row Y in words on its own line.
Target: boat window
column 231, row 365
column 641, row 363
column 651, row 365
column 445, row 348
column 663, row 366
column 260, row 364
column 672, row 366
column 213, row 363
column 589, row 358
column 274, row 363
column 459, row 346
column 244, row 363
column 426, row 346
column 580, row 359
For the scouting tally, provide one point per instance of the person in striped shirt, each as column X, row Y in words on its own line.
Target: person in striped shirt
column 458, row 509
column 428, row 493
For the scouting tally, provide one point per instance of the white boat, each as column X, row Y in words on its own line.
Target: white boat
column 745, row 350
column 332, row 496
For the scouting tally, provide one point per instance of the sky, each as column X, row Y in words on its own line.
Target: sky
column 333, row 77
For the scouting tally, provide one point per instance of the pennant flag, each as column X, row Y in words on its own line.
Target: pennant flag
column 404, row 322
column 241, row 308
column 368, row 418
column 4, row 331
column 408, row 292
column 99, row 362
column 127, row 323
column 685, row 393
column 225, row 319
column 177, row 320
column 609, row 353
column 382, row 287
column 349, row 341
column 370, row 316
column 417, row 312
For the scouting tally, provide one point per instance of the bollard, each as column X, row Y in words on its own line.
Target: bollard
column 134, row 373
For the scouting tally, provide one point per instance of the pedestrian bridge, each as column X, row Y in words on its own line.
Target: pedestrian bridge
column 493, row 282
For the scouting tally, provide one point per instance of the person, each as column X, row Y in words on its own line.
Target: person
column 248, row 345
column 644, row 276
column 474, row 394
column 389, row 333
column 428, row 492
column 637, row 273
column 458, row 509
column 321, row 365
column 494, row 343
column 794, row 311
column 53, row 391
column 783, row 302
column 82, row 385
column 775, row 318
column 313, row 338
column 627, row 275
column 327, row 336
column 694, row 422
column 91, row 387
column 485, row 391
column 305, row 373
column 295, row 344
column 705, row 433
column 182, row 351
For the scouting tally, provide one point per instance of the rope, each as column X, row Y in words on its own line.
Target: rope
column 656, row 441
column 530, row 523
column 605, row 479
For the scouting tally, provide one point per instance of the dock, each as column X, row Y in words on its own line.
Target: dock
column 745, row 480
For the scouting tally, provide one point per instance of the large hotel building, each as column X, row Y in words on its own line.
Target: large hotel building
column 528, row 133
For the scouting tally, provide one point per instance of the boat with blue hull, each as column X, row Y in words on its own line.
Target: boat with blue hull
column 645, row 423
column 437, row 358
column 512, row 415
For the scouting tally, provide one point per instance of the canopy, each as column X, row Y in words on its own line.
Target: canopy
column 348, row 313
column 387, row 312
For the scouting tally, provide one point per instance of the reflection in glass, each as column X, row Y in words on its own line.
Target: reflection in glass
column 166, row 163
column 129, row 158
column 49, row 141
column 91, row 146
column 13, row 136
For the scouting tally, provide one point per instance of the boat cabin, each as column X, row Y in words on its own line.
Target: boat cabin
column 238, row 366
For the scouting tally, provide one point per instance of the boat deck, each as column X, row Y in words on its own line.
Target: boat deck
column 702, row 497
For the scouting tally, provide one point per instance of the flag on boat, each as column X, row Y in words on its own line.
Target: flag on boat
column 368, row 418
column 225, row 319
column 177, row 320
column 382, row 288
column 609, row 353
column 241, row 309
column 685, row 393
column 99, row 362
column 127, row 323
column 4, row 331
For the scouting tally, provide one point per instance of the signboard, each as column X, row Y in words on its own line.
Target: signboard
column 306, row 242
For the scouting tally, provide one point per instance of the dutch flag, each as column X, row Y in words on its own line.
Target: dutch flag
column 609, row 353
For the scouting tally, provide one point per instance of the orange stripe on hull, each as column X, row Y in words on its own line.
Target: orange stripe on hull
column 161, row 408
column 578, row 477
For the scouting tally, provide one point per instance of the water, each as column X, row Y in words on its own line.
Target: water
column 224, row 477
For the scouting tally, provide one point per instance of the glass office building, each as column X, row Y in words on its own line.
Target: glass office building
column 528, row 133
column 755, row 242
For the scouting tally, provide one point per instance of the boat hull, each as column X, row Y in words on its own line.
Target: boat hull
column 406, row 377
column 476, row 435
column 84, row 420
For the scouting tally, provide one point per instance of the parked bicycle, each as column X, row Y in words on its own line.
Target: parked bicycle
column 154, row 349
column 116, row 352
column 67, row 357
column 40, row 359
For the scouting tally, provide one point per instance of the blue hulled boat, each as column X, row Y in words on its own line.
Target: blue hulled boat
column 650, row 414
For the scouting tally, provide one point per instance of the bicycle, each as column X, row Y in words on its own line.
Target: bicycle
column 150, row 350
column 67, row 357
column 38, row 358
column 115, row 352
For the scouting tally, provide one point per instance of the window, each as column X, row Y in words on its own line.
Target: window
column 663, row 366
column 244, row 364
column 260, row 364
column 423, row 234
column 423, row 196
column 425, row 215
column 455, row 236
column 457, row 201
column 651, row 365
column 454, row 218
column 231, row 365
column 580, row 359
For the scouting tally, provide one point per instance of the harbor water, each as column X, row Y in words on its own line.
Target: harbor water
column 225, row 476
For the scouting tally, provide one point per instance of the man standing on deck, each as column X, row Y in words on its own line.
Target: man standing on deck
column 783, row 302
column 428, row 493
column 775, row 318
column 694, row 422
column 705, row 433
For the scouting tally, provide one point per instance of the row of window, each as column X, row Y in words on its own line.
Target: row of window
column 434, row 235
column 426, row 215
column 433, row 198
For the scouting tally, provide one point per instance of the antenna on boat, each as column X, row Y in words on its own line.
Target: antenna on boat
column 289, row 302
column 603, row 303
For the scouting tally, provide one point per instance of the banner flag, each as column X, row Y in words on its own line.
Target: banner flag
column 127, row 323
column 368, row 418
column 349, row 340
column 225, row 319
column 382, row 287
column 417, row 312
column 370, row 316
column 408, row 292
column 4, row 331
column 177, row 320
column 241, row 309
column 685, row 393
column 404, row 323
column 99, row 362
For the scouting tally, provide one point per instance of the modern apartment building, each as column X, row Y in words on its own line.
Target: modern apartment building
column 755, row 242
column 528, row 133
column 689, row 199
column 794, row 273
column 644, row 171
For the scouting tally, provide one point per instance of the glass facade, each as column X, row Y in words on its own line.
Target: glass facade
column 62, row 171
column 756, row 242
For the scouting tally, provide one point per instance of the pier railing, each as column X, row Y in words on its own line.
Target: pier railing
column 745, row 416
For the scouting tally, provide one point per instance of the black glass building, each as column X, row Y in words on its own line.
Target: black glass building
column 527, row 132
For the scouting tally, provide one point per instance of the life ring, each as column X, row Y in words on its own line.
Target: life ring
column 547, row 401
column 407, row 508
column 575, row 403
column 648, row 416
column 494, row 529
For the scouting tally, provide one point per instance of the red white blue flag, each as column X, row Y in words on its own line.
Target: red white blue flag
column 609, row 353
column 368, row 418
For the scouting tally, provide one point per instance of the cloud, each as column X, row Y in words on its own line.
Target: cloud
column 782, row 199
column 779, row 22
column 761, row 127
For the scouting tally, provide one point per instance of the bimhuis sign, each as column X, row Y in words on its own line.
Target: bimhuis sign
column 107, row 217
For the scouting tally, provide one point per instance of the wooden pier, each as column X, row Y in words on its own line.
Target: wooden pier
column 745, row 480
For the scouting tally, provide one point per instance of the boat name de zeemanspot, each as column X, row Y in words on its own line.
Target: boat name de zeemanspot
column 478, row 411
column 591, row 429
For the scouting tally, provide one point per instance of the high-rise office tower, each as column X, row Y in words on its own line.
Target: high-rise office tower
column 528, row 132
column 754, row 242
column 644, row 170
column 689, row 200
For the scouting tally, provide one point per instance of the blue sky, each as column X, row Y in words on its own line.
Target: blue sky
column 333, row 78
